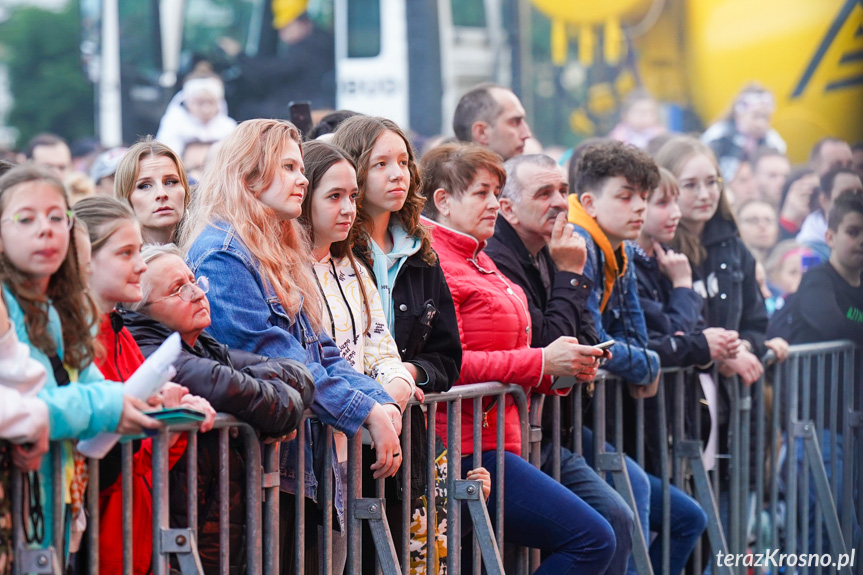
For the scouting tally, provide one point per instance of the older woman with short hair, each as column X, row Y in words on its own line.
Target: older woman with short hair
column 269, row 394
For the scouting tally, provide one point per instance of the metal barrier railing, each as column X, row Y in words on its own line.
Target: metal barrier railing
column 807, row 409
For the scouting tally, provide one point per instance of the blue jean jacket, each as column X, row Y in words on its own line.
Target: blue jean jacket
column 246, row 314
column 622, row 320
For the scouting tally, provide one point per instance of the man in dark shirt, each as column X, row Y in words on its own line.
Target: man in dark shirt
column 535, row 247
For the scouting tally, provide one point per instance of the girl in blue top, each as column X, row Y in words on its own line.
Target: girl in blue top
column 53, row 314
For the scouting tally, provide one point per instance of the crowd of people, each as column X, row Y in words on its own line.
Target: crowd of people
column 347, row 275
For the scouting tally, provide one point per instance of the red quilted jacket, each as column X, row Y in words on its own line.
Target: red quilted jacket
column 494, row 327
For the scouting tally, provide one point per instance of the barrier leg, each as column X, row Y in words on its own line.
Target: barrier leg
column 182, row 543
column 691, row 450
column 812, row 452
column 471, row 491
column 372, row 510
column 615, row 463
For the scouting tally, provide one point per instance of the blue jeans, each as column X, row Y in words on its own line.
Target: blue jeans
column 688, row 519
column 580, row 478
column 541, row 513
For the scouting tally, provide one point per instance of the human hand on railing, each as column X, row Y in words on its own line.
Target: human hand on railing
column 565, row 356
column 779, row 346
column 481, row 474
column 674, row 266
column 746, row 365
column 132, row 420
column 723, row 343
column 567, row 249
column 28, row 457
column 401, row 390
column 280, row 438
column 644, row 391
column 200, row 404
column 395, row 416
column 385, row 442
column 419, row 395
column 168, row 396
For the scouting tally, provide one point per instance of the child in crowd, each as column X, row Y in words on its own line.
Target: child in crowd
column 829, row 302
column 758, row 224
column 242, row 234
column 396, row 248
column 639, row 120
column 197, row 113
column 784, row 269
column 52, row 313
column 835, row 181
column 114, row 276
column 672, row 309
column 151, row 179
column 609, row 187
column 797, row 193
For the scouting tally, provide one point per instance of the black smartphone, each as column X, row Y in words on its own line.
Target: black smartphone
column 301, row 117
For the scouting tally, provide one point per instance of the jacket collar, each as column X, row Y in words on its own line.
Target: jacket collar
column 718, row 229
column 506, row 235
column 460, row 243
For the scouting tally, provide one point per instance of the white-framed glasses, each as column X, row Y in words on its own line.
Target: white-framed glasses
column 28, row 222
column 186, row 292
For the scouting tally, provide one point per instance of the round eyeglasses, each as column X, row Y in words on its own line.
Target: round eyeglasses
column 27, row 222
column 186, row 292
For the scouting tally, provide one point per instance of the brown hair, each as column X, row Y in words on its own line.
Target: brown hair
column 130, row 167
column 673, row 155
column 667, row 185
column 66, row 288
column 611, row 159
column 357, row 136
column 319, row 157
column 453, row 167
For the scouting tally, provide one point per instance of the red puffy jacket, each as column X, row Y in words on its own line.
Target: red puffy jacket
column 494, row 327
column 122, row 357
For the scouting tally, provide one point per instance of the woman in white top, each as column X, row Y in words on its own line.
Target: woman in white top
column 353, row 316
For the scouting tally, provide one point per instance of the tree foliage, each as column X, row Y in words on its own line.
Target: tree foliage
column 48, row 85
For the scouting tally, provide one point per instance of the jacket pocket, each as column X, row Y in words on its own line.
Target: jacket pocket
column 418, row 323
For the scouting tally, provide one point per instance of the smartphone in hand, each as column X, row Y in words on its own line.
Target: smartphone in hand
column 301, row 117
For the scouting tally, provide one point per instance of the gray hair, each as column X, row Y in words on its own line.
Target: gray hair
column 150, row 253
column 477, row 105
column 513, row 188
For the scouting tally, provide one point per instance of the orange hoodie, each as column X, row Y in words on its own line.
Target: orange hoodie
column 579, row 217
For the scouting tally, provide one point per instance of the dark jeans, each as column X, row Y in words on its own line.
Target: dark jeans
column 580, row 478
column 541, row 513
column 688, row 519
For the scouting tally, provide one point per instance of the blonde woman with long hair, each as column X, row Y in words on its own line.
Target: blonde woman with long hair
column 243, row 235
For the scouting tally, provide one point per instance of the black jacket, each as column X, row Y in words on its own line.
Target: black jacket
column 270, row 394
column 555, row 313
column 426, row 333
column 726, row 280
column 668, row 310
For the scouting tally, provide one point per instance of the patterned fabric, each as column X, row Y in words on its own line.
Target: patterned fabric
column 5, row 509
column 419, row 524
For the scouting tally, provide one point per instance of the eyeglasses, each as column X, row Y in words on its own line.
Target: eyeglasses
column 27, row 222
column 186, row 292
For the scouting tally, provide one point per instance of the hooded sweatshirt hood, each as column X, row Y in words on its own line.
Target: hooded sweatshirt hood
column 386, row 266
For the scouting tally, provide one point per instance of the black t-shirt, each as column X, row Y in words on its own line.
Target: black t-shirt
column 826, row 308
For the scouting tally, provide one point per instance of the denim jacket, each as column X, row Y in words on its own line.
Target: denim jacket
column 246, row 314
column 622, row 320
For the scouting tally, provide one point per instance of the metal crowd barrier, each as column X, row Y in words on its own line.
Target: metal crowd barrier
column 814, row 402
